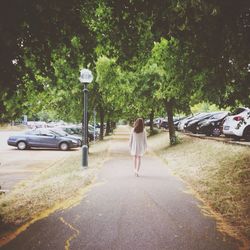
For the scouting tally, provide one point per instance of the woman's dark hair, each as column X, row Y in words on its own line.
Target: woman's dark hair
column 139, row 125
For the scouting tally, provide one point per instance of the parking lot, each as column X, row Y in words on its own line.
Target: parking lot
column 17, row 165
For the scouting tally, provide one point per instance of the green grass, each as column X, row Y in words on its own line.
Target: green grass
column 154, row 132
column 51, row 187
column 218, row 172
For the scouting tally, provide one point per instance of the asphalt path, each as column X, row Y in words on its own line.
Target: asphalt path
column 122, row 211
column 19, row 165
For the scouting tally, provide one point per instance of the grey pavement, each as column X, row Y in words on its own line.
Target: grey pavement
column 149, row 212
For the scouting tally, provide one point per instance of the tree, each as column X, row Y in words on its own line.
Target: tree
column 175, row 84
column 147, row 85
column 34, row 29
column 111, row 92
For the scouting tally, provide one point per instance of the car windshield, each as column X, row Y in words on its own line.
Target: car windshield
column 77, row 130
column 59, row 132
column 237, row 111
column 68, row 130
column 200, row 116
column 219, row 115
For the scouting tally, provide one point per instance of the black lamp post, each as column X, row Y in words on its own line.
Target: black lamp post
column 85, row 78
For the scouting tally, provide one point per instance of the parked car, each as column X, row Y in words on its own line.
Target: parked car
column 41, row 139
column 59, row 131
column 182, row 123
column 237, row 124
column 95, row 132
column 156, row 122
column 77, row 131
column 147, row 122
column 164, row 122
column 191, row 125
column 178, row 121
column 212, row 125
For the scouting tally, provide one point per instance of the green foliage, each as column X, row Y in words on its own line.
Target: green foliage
column 153, row 132
column 175, row 80
column 175, row 140
column 113, row 87
column 146, row 54
column 204, row 107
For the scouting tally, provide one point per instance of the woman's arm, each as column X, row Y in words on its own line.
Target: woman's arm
column 145, row 140
column 131, row 140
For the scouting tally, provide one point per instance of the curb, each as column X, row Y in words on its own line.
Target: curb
column 219, row 139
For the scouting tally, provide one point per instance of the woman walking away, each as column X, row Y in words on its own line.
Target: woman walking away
column 138, row 143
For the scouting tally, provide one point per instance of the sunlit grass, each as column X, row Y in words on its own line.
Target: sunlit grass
column 218, row 172
column 8, row 127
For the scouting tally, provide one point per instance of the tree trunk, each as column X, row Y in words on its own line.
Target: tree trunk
column 101, row 123
column 113, row 126
column 169, row 109
column 107, row 128
column 151, row 118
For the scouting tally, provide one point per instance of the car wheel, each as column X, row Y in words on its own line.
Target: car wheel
column 64, row 146
column 247, row 134
column 21, row 145
column 216, row 132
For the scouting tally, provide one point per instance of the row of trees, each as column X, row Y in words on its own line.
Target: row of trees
column 148, row 57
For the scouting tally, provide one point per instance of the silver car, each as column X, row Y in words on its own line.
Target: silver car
column 42, row 139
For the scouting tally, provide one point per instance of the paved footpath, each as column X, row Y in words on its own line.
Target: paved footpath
column 149, row 212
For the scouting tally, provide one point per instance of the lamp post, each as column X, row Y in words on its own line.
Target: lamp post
column 85, row 78
column 94, row 124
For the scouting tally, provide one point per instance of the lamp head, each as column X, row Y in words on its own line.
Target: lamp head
column 86, row 76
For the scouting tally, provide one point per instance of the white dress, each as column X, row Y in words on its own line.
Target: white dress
column 138, row 143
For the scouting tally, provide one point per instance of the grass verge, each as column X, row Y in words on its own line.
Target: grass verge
column 219, row 173
column 51, row 189
column 7, row 127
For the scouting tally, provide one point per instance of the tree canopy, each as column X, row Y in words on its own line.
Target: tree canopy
column 145, row 55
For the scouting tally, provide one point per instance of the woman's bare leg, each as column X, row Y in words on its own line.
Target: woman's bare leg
column 138, row 163
column 135, row 163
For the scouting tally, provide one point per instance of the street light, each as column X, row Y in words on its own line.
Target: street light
column 85, row 78
column 94, row 112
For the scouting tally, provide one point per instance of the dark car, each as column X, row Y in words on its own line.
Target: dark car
column 213, row 125
column 77, row 131
column 182, row 123
column 192, row 118
column 41, row 139
column 156, row 122
column 164, row 123
column 66, row 133
column 191, row 126
column 147, row 122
